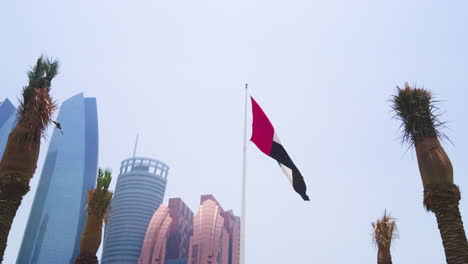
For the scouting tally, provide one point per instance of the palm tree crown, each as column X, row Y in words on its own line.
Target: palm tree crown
column 99, row 199
column 417, row 110
column 36, row 105
column 385, row 231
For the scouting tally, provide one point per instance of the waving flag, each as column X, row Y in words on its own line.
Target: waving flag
column 264, row 136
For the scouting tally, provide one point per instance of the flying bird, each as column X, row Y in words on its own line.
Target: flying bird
column 58, row 126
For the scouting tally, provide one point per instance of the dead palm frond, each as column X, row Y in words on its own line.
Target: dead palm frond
column 384, row 231
column 417, row 109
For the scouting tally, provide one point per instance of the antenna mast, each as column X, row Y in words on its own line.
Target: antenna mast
column 136, row 143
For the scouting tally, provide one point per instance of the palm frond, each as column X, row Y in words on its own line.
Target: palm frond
column 104, row 179
column 36, row 105
column 417, row 110
column 52, row 70
column 99, row 199
column 37, row 71
column 385, row 230
column 27, row 95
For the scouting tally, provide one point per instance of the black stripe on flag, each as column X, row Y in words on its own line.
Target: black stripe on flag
column 279, row 153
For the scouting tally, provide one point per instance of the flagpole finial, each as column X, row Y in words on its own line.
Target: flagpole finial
column 246, row 86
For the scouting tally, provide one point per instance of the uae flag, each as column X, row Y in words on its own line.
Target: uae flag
column 264, row 136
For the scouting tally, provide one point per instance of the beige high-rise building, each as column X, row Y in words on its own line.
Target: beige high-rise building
column 175, row 236
column 167, row 237
column 216, row 235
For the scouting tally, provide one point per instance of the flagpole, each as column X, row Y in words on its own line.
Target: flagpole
column 244, row 179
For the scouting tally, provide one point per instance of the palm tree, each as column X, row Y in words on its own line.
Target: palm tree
column 416, row 108
column 18, row 163
column 98, row 203
column 385, row 231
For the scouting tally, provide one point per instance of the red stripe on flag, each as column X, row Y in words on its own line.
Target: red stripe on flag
column 262, row 129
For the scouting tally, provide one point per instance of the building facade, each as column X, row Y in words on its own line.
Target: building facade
column 232, row 226
column 216, row 235
column 140, row 190
column 176, row 236
column 168, row 234
column 58, row 214
column 8, row 120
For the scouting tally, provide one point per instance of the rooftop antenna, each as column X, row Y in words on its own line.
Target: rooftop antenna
column 136, row 143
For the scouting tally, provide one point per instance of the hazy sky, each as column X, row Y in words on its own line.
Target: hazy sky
column 323, row 71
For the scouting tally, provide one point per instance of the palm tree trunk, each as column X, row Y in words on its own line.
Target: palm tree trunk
column 8, row 207
column 20, row 156
column 90, row 241
column 87, row 259
column 17, row 166
column 384, row 256
column 443, row 199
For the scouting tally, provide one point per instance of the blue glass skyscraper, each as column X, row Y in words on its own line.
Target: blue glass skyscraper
column 139, row 192
column 8, row 119
column 58, row 214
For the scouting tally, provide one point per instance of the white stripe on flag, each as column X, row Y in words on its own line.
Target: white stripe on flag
column 276, row 139
column 288, row 172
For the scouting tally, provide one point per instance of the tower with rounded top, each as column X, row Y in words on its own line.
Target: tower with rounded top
column 139, row 192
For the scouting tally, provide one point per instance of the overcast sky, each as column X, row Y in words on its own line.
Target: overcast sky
column 323, row 71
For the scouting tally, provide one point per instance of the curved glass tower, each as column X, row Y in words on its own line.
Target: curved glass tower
column 139, row 192
column 58, row 213
column 7, row 122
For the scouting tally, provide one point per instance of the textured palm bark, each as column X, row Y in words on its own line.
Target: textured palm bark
column 434, row 164
column 86, row 259
column 443, row 200
column 91, row 238
column 90, row 241
column 8, row 207
column 21, row 154
column 17, row 167
column 384, row 256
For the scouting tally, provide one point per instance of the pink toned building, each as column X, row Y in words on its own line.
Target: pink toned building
column 168, row 234
column 175, row 236
column 216, row 235
column 232, row 225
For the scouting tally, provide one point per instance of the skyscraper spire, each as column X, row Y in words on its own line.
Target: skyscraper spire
column 136, row 143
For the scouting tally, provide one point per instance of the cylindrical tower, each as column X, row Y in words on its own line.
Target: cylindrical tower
column 139, row 192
